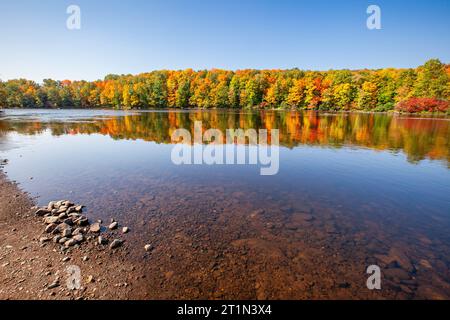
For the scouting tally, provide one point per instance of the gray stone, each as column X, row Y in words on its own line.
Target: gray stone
column 115, row 244
column 62, row 209
column 44, row 239
column 53, row 285
column 49, row 220
column 70, row 243
column 61, row 227
column 77, row 231
column 50, row 227
column 63, row 240
column 67, row 232
column 41, row 212
column 67, row 203
column 82, row 221
column 68, row 221
column 113, row 225
column 51, row 205
column 95, row 227
column 125, row 229
column 62, row 216
column 78, row 238
column 74, row 215
column 102, row 240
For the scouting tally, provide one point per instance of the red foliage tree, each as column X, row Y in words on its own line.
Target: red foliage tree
column 415, row 105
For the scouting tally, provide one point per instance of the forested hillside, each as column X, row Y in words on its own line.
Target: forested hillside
column 425, row 89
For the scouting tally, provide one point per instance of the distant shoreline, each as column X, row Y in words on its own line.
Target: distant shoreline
column 255, row 109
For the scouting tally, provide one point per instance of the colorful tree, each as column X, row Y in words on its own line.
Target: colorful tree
column 432, row 80
column 367, row 99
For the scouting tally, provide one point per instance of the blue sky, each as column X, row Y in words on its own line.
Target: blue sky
column 137, row 36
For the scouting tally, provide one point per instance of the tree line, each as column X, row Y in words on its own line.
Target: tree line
column 422, row 89
column 418, row 139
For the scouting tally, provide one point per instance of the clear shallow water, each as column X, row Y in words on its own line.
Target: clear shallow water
column 374, row 185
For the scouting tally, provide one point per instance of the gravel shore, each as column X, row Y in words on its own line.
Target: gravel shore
column 30, row 269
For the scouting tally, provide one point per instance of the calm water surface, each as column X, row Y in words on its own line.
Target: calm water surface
column 352, row 190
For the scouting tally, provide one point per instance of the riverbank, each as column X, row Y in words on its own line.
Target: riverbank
column 251, row 109
column 32, row 270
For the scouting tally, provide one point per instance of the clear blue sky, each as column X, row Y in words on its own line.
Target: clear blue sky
column 138, row 36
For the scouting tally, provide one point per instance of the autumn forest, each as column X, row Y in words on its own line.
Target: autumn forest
column 424, row 89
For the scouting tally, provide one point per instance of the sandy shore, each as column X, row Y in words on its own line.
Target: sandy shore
column 28, row 268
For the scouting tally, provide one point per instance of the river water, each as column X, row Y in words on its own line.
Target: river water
column 352, row 190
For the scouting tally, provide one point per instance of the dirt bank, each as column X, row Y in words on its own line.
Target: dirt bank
column 31, row 270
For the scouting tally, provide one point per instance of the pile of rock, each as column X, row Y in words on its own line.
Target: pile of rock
column 67, row 226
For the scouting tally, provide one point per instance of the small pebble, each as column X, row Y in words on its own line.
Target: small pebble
column 113, row 225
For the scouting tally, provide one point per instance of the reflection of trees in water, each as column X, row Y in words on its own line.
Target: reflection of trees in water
column 418, row 138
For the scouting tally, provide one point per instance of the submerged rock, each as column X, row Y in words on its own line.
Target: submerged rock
column 398, row 256
column 113, row 225
column 396, row 273
column 51, row 205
